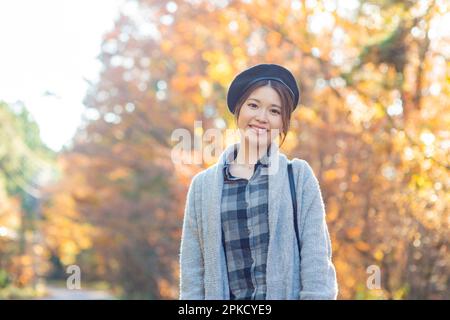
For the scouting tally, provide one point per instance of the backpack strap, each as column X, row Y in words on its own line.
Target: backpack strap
column 294, row 201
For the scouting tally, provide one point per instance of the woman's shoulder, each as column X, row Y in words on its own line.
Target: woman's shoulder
column 203, row 175
column 303, row 171
column 196, row 179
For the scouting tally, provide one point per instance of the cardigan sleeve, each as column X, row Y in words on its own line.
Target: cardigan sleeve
column 191, row 257
column 318, row 274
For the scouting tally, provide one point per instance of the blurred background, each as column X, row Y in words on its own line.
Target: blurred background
column 91, row 91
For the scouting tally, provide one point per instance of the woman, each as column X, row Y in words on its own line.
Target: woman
column 239, row 241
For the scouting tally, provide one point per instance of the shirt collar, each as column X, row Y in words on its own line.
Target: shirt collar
column 263, row 162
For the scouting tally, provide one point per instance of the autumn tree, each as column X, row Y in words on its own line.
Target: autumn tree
column 372, row 122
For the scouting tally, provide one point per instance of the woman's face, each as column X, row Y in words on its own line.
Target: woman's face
column 260, row 119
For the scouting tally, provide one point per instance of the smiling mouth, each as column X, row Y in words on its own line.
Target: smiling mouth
column 258, row 130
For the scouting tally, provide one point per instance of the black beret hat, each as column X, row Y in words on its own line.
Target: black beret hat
column 261, row 72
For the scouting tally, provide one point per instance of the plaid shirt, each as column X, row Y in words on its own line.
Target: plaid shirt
column 245, row 230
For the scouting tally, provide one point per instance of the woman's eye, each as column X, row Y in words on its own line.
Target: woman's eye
column 252, row 105
column 275, row 111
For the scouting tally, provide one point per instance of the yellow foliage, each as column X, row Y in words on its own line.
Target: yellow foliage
column 166, row 46
column 330, row 175
column 354, row 232
column 379, row 111
column 21, row 270
column 307, row 114
column 68, row 252
column 119, row 173
column 167, row 290
column 274, row 39
column 219, row 68
column 332, row 209
column 362, row 246
column 378, row 255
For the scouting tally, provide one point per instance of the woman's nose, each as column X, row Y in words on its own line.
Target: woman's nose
column 262, row 115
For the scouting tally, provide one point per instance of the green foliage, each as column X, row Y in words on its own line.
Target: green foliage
column 4, row 279
column 22, row 152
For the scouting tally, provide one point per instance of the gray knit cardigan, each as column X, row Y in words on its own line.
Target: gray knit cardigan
column 203, row 271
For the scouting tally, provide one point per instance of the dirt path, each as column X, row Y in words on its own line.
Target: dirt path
column 57, row 293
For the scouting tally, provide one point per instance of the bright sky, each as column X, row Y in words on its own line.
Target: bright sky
column 51, row 45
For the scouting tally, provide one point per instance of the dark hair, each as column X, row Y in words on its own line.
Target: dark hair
column 287, row 102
